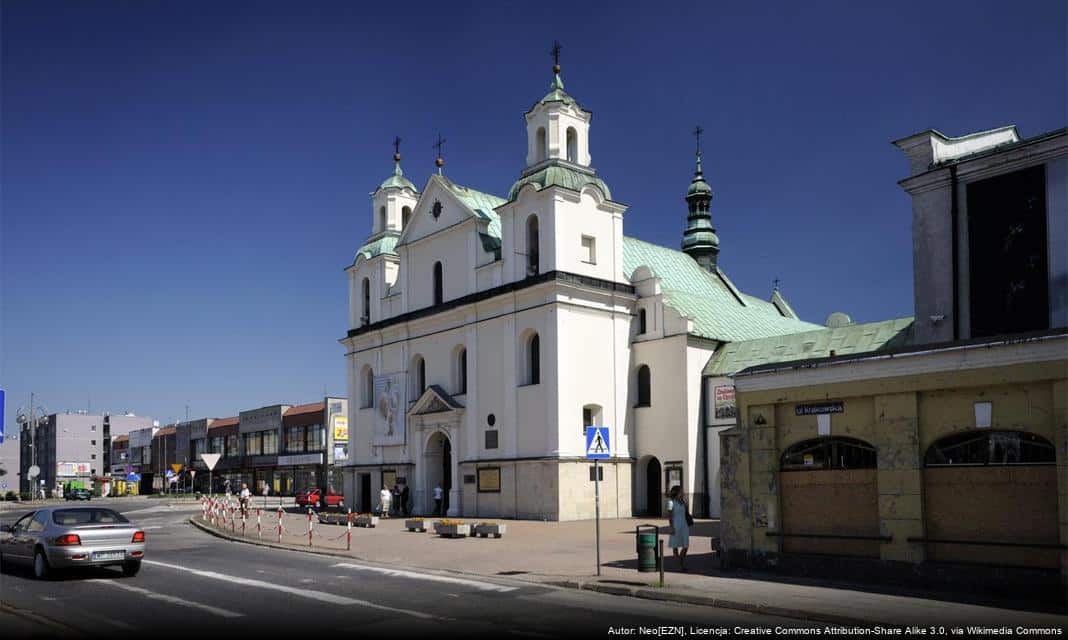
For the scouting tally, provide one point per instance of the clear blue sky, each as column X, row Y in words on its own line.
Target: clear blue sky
column 183, row 182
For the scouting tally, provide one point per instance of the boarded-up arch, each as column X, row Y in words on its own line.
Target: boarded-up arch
column 992, row 486
column 829, row 498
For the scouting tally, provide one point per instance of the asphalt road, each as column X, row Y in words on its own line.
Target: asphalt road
column 193, row 583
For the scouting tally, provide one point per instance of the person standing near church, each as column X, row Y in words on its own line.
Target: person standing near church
column 406, row 508
column 680, row 518
column 438, row 495
column 385, row 499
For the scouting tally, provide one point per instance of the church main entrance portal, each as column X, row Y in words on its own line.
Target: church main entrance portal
column 438, row 472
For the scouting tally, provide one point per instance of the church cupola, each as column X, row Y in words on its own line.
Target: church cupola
column 394, row 199
column 557, row 127
column 699, row 240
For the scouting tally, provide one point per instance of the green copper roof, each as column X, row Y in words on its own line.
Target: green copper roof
column 560, row 175
column 397, row 180
column 848, row 340
column 705, row 298
column 482, row 204
column 556, row 94
column 375, row 248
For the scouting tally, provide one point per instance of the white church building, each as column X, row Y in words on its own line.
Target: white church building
column 486, row 332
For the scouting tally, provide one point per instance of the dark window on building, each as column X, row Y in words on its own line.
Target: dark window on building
column 645, row 393
column 641, row 321
column 369, row 388
column 1007, row 253
column 829, row 453
column 491, row 439
column 422, row 376
column 587, row 417
column 461, row 367
column 535, row 359
column 989, row 448
column 600, row 473
column 439, row 295
column 365, row 315
column 92, row 442
column 533, row 243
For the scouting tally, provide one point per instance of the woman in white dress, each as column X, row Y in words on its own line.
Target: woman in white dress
column 678, row 511
column 385, row 498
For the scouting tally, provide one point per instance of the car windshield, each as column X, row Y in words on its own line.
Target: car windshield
column 76, row 517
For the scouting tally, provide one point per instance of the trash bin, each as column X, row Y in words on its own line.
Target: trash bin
column 646, row 536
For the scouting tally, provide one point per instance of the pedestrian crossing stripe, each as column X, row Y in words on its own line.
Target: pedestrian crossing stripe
column 597, row 443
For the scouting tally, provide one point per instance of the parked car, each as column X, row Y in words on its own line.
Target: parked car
column 78, row 494
column 70, row 537
column 316, row 499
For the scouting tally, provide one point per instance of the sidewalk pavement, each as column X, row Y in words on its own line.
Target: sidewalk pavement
column 563, row 554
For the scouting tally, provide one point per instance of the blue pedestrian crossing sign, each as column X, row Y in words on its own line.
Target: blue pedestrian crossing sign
column 597, row 447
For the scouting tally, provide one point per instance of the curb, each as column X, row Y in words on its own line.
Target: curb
column 60, row 629
column 647, row 593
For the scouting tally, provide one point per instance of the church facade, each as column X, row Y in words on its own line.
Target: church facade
column 486, row 332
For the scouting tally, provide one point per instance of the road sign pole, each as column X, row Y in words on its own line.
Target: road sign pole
column 597, row 508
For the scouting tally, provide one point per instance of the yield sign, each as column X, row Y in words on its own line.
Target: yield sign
column 177, row 468
column 210, row 459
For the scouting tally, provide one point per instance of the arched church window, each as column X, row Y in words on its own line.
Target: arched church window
column 542, row 144
column 382, row 218
column 532, row 359
column 368, row 387
column 572, row 145
column 644, row 387
column 532, row 246
column 641, row 321
column 417, row 376
column 439, row 295
column 365, row 314
column 406, row 213
column 461, row 372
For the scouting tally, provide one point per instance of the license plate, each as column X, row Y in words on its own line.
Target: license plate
column 109, row 555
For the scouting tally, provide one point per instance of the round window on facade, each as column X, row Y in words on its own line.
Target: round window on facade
column 491, row 419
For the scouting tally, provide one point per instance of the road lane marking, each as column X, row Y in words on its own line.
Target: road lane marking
column 399, row 573
column 171, row 599
column 321, row 596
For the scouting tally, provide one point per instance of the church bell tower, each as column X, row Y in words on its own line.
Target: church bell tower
column 700, row 241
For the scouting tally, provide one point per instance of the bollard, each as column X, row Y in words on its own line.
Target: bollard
column 279, row 524
column 259, row 531
column 244, row 517
column 348, row 532
column 661, row 563
column 309, row 526
column 233, row 521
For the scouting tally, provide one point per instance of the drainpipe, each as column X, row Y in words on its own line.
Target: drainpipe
column 954, row 213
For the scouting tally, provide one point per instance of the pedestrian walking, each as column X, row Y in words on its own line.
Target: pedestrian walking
column 406, row 507
column 244, row 497
column 396, row 499
column 385, row 500
column 680, row 518
column 438, row 494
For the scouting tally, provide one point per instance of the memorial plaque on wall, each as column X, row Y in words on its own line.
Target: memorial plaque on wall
column 489, row 480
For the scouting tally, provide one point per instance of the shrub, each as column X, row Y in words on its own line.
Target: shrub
column 10, row 495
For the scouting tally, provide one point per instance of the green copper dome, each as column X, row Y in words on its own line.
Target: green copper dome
column 557, row 94
column 559, row 175
column 397, row 180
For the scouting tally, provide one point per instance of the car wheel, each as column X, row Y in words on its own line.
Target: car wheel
column 130, row 568
column 41, row 570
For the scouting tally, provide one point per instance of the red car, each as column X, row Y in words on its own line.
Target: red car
column 314, row 498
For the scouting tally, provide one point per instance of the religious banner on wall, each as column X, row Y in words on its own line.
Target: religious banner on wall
column 725, row 406
column 391, row 405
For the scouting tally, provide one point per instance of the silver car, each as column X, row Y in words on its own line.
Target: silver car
column 66, row 537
